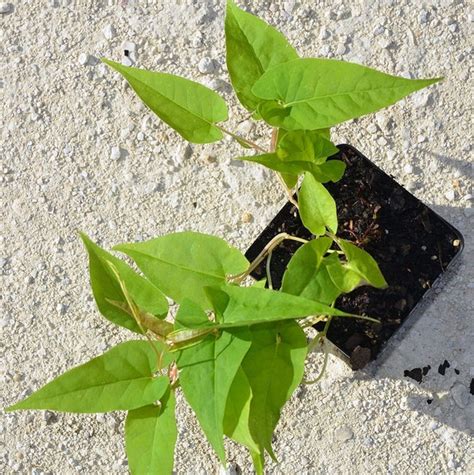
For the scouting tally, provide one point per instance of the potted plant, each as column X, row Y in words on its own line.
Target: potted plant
column 236, row 348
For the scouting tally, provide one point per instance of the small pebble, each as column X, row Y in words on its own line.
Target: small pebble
column 206, row 65
column 460, row 395
column 6, row 7
column 423, row 17
column 247, row 217
column 408, row 169
column 115, row 153
column 450, row 195
column 108, row 31
column 343, row 434
column 324, row 34
column 83, row 59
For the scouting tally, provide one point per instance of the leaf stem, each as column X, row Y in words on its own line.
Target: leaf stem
column 242, row 139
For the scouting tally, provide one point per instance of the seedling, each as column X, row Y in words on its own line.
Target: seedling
column 236, row 350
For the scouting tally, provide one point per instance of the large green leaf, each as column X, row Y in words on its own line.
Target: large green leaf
column 318, row 93
column 207, row 371
column 150, row 437
column 106, row 288
column 182, row 264
column 187, row 106
column 274, row 367
column 332, row 170
column 244, row 306
column 307, row 275
column 362, row 263
column 317, row 207
column 252, row 47
column 120, row 379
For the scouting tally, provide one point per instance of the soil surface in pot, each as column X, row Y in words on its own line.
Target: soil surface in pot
column 411, row 243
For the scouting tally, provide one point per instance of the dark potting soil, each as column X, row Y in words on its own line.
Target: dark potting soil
column 411, row 243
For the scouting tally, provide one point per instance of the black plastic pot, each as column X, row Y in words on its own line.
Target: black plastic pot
column 412, row 244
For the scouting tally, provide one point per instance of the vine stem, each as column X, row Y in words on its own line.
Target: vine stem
column 276, row 241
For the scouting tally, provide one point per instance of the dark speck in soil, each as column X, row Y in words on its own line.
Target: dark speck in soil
column 429, row 401
column 471, row 390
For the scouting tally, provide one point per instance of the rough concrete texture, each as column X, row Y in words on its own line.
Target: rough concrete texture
column 79, row 151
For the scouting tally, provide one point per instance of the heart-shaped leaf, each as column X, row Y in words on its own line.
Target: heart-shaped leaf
column 190, row 108
column 315, row 93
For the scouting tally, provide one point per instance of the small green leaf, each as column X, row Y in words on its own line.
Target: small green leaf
column 242, row 306
column 307, row 275
column 306, row 145
column 237, row 412
column 207, row 371
column 317, row 206
column 343, row 278
column 150, row 437
column 108, row 294
column 318, row 93
column 187, row 106
column 332, row 170
column 274, row 366
column 120, row 379
column 252, row 47
column 182, row 264
column 362, row 263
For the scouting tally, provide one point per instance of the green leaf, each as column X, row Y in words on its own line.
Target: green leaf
column 120, row 379
column 318, row 93
column 106, row 288
column 187, row 106
column 343, row 278
column 306, row 145
column 207, row 371
column 243, row 306
column 182, row 264
column 307, row 275
column 237, row 412
column 190, row 315
column 274, row 367
column 332, row 170
column 317, row 206
column 252, row 47
column 150, row 437
column 362, row 263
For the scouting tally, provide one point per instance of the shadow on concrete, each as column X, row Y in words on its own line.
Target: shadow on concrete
column 440, row 330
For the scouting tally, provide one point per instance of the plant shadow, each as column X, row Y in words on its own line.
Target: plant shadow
column 433, row 349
